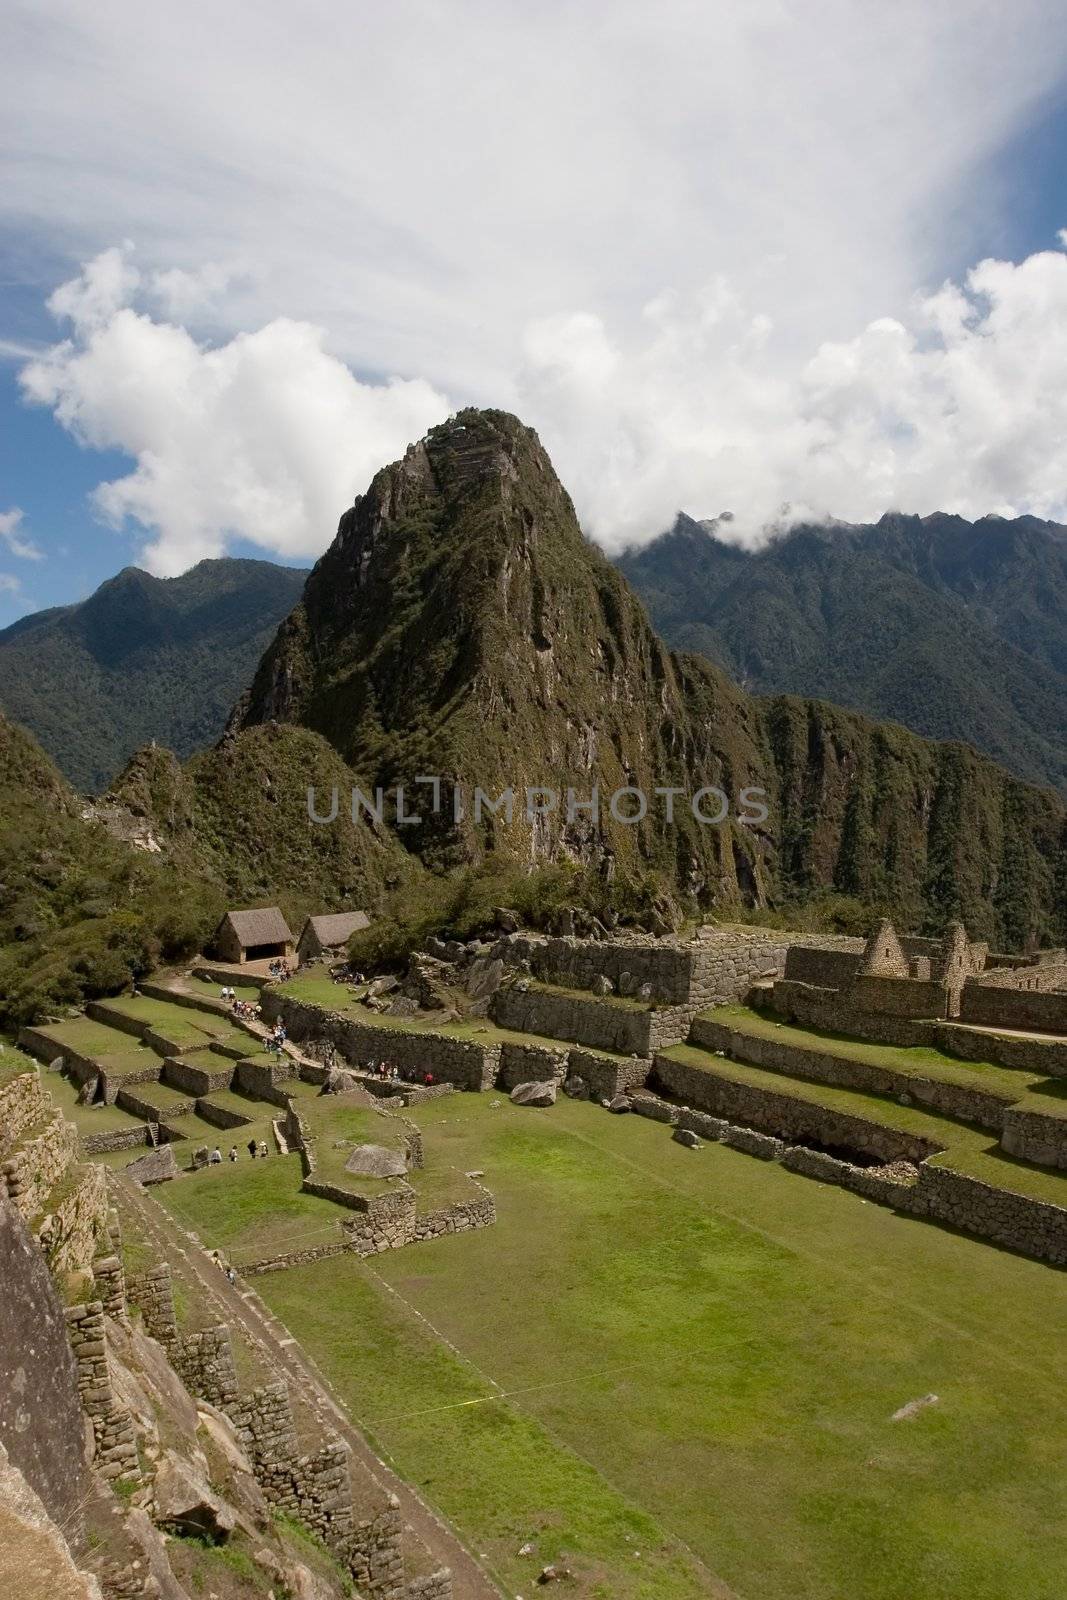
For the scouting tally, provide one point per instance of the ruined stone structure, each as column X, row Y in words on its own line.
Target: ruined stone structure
column 919, row 980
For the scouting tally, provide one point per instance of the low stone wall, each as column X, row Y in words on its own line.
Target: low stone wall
column 608, row 1076
column 819, row 1066
column 1035, row 1136
column 223, row 1116
column 458, row 1218
column 264, row 1079
column 1032, row 1227
column 994, row 1006
column 127, row 1100
column 466, row 1063
column 22, row 1103
column 779, row 1114
column 98, row 1144
column 210, row 1072
column 873, row 1183
column 1047, row 1057
column 230, row 975
column 531, row 1063
column 626, row 1029
column 832, row 968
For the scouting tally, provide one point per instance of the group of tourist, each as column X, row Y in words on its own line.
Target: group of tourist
column 346, row 973
column 280, row 970
column 244, row 1009
column 275, row 1040
column 389, row 1072
column 255, row 1148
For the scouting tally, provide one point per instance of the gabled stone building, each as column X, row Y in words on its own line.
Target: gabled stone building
column 329, row 935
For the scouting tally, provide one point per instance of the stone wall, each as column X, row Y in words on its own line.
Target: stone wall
column 607, row 1076
column 898, row 997
column 779, row 1114
column 466, row 1063
column 601, row 1024
column 818, row 1066
column 22, row 1103
column 531, row 1064
column 1032, row 1227
column 825, row 968
column 718, row 964
column 33, row 1168
column 114, row 1436
column 129, row 1100
column 98, row 1144
column 994, row 1006
column 208, row 1072
column 1034, row 1135
column 76, row 1220
column 1046, row 1057
column 814, row 1007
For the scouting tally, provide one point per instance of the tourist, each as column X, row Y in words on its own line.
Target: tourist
column 395, row 1074
column 263, row 1151
column 428, row 1079
column 233, row 1152
column 252, row 1148
column 215, row 1157
column 231, row 1275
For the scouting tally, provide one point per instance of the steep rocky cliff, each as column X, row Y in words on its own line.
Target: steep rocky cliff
column 460, row 626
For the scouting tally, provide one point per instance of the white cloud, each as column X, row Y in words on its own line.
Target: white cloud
column 9, row 584
column 25, row 549
column 266, row 437
column 683, row 240
column 961, row 406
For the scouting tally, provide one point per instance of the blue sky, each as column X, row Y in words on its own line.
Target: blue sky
column 703, row 249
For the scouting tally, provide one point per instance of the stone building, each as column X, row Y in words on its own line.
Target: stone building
column 329, row 935
column 893, row 975
column 258, row 935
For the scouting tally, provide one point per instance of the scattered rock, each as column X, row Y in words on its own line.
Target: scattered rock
column 156, row 1167
column 602, row 985
column 576, row 1088
column 687, row 1137
column 375, row 1161
column 201, row 1157
column 644, row 993
column 620, row 1104
column 913, row 1407
column 383, row 985
column 506, row 919
column 553, row 1574
column 526, row 1549
column 627, row 983
column 534, row 1094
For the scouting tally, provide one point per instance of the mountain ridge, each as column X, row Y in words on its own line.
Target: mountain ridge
column 141, row 658
column 951, row 628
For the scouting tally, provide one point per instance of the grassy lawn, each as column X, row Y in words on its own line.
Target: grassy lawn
column 213, row 991
column 13, row 1063
column 1005, row 1083
column 655, row 1344
column 92, row 1039
column 251, row 1209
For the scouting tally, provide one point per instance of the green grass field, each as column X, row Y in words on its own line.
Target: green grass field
column 664, row 1364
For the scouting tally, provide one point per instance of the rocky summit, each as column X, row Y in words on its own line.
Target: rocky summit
column 461, row 626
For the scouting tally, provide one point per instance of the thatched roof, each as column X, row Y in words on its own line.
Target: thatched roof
column 266, row 926
column 337, row 928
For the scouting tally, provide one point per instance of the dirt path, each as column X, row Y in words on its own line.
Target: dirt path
column 241, row 1306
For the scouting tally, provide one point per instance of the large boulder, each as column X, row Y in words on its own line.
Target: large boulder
column 184, row 1502
column 157, row 1166
column 376, row 1161
column 620, row 1104
column 506, row 919
column 576, row 1088
column 687, row 1137
column 484, row 977
column 602, row 984
column 534, row 1094
column 341, row 1080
